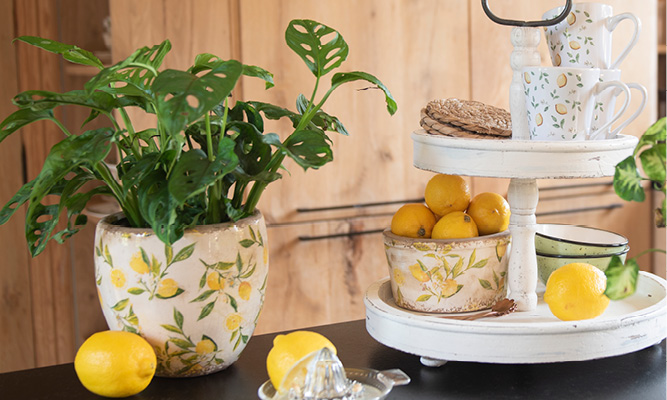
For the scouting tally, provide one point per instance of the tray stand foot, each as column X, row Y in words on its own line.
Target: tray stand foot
column 432, row 362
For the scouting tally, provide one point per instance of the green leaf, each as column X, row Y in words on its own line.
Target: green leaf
column 171, row 328
column 305, row 38
column 233, row 302
column 194, row 172
column 456, row 271
column 481, row 263
column 308, row 148
column 184, row 97
column 471, row 260
column 246, row 243
column 178, row 318
column 204, row 296
column 206, row 310
column 258, row 72
column 423, row 297
column 653, row 162
column 120, row 306
column 341, row 78
column 183, row 344
column 621, row 278
column 135, row 290
column 168, row 253
column 184, row 253
column 137, row 72
column 248, row 273
column 627, row 182
column 70, row 53
column 485, row 284
column 21, row 118
column 65, row 157
column 653, row 135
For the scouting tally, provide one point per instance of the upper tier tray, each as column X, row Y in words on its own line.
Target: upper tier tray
column 524, row 159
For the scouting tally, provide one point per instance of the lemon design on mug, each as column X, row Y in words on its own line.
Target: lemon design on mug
column 538, row 119
column 557, row 60
column 561, row 80
column 561, row 109
column 574, row 45
column 571, row 19
column 168, row 288
column 526, row 77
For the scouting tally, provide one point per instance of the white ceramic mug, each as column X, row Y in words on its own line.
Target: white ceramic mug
column 584, row 38
column 605, row 104
column 560, row 102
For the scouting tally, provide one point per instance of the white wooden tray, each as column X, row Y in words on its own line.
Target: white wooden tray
column 536, row 336
column 525, row 159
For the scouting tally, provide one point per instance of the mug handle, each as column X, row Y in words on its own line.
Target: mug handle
column 601, row 87
column 612, row 23
column 639, row 110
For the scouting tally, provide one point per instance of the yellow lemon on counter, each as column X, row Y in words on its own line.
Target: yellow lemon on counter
column 288, row 350
column 576, row 291
column 115, row 363
column 413, row 220
column 491, row 213
column 455, row 225
column 447, row 193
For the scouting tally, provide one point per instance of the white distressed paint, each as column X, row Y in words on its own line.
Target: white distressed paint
column 628, row 325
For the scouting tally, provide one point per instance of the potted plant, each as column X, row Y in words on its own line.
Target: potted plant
column 650, row 152
column 185, row 263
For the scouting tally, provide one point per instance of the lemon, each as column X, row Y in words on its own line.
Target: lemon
column 491, row 213
column 138, row 264
column 455, row 225
column 115, row 363
column 413, row 220
column 215, row 281
column 288, row 350
column 576, row 291
column 447, row 193
column 168, row 288
column 245, row 289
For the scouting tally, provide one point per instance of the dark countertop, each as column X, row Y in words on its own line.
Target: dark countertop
column 639, row 375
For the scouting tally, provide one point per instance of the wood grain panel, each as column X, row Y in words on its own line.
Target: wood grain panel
column 321, row 281
column 406, row 45
column 16, row 326
column 51, row 275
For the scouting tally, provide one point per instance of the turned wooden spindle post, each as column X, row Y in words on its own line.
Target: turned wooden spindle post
column 522, row 193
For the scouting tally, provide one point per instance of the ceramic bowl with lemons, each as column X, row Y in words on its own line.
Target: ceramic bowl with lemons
column 557, row 245
column 451, row 254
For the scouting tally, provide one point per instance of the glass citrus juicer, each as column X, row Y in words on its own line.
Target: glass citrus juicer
column 321, row 375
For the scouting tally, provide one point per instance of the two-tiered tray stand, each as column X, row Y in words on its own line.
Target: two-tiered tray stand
column 533, row 334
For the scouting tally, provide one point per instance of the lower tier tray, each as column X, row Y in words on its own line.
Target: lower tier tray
column 627, row 325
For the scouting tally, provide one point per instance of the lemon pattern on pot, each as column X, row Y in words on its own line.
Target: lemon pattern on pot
column 188, row 345
column 440, row 281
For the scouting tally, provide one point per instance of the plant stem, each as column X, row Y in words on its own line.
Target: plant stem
column 649, row 251
column 130, row 209
column 134, row 144
column 209, row 139
column 62, row 127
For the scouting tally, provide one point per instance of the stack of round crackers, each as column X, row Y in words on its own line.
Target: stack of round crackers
column 466, row 118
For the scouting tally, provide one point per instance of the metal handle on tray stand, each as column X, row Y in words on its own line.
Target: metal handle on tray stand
column 522, row 193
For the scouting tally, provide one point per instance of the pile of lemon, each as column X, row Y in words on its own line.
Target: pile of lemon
column 450, row 213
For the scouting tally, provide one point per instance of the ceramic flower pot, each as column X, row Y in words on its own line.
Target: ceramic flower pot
column 197, row 302
column 447, row 276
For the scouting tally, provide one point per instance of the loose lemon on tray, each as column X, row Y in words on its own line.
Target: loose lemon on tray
column 455, row 225
column 115, row 363
column 447, row 193
column 491, row 213
column 413, row 220
column 286, row 353
column 576, row 291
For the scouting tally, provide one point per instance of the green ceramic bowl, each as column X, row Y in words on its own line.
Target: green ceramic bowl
column 548, row 263
column 575, row 240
